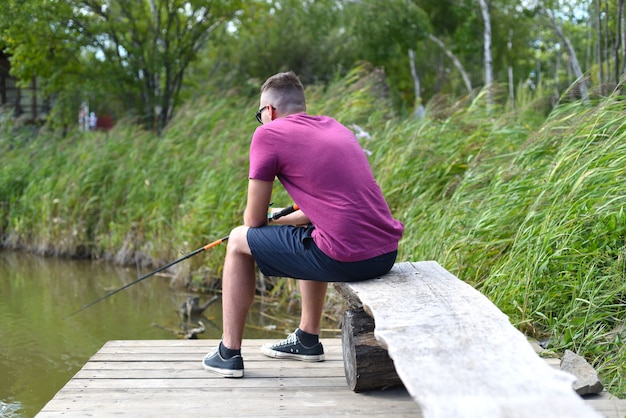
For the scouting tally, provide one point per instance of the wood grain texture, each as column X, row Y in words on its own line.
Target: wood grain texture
column 166, row 379
column 367, row 365
column 456, row 352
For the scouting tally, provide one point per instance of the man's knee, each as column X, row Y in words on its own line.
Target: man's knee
column 238, row 240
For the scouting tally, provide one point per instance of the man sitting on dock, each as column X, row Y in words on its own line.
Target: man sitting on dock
column 343, row 230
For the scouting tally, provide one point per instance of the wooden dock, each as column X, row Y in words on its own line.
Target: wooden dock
column 165, row 378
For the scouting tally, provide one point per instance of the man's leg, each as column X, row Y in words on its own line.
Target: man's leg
column 313, row 298
column 238, row 284
column 304, row 343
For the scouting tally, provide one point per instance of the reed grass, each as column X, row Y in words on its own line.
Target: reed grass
column 526, row 206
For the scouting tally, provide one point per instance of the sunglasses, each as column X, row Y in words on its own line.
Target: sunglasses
column 260, row 111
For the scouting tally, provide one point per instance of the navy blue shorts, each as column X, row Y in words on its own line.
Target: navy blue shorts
column 289, row 251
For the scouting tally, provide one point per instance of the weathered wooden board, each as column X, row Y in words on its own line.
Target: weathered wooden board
column 457, row 353
column 166, row 378
column 126, row 383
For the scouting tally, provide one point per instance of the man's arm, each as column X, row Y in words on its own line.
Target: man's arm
column 259, row 195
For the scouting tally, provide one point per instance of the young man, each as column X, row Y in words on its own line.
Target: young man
column 343, row 230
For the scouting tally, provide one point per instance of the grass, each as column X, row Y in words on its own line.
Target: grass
column 526, row 207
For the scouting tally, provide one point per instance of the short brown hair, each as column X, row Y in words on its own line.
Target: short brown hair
column 286, row 91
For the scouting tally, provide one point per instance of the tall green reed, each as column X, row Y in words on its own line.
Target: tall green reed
column 532, row 215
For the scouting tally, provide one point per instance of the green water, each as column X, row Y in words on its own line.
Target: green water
column 40, row 351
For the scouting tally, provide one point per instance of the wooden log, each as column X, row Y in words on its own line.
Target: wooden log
column 367, row 365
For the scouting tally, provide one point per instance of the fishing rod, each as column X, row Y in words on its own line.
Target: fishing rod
column 273, row 217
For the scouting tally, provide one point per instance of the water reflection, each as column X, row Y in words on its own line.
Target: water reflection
column 41, row 351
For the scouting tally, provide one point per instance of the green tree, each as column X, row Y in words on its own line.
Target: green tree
column 271, row 36
column 40, row 47
column 138, row 51
column 384, row 32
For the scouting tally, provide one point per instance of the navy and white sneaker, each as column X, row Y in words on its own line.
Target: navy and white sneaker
column 214, row 362
column 292, row 348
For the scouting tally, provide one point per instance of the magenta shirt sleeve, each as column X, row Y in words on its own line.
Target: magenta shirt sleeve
column 263, row 159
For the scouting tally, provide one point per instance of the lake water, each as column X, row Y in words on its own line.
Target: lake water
column 41, row 349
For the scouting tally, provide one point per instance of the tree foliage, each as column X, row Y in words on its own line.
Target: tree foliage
column 133, row 52
column 384, row 32
column 266, row 37
column 141, row 58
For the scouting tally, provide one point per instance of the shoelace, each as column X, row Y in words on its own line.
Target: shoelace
column 291, row 339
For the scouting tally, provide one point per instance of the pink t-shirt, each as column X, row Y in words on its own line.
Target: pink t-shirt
column 323, row 168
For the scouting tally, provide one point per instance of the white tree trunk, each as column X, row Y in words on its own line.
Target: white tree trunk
column 578, row 73
column 487, row 50
column 457, row 63
column 509, row 46
column 419, row 107
column 599, row 43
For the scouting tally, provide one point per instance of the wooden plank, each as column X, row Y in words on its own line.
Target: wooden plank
column 198, row 372
column 607, row 405
column 220, row 403
column 140, row 385
column 193, row 365
column 252, row 380
column 271, row 388
column 456, row 352
column 118, row 347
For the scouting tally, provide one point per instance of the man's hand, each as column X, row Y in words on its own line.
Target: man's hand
column 296, row 218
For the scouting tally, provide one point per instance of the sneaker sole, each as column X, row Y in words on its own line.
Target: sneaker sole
column 281, row 355
column 223, row 372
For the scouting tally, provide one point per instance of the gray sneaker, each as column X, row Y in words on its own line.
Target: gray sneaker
column 292, row 348
column 214, row 362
